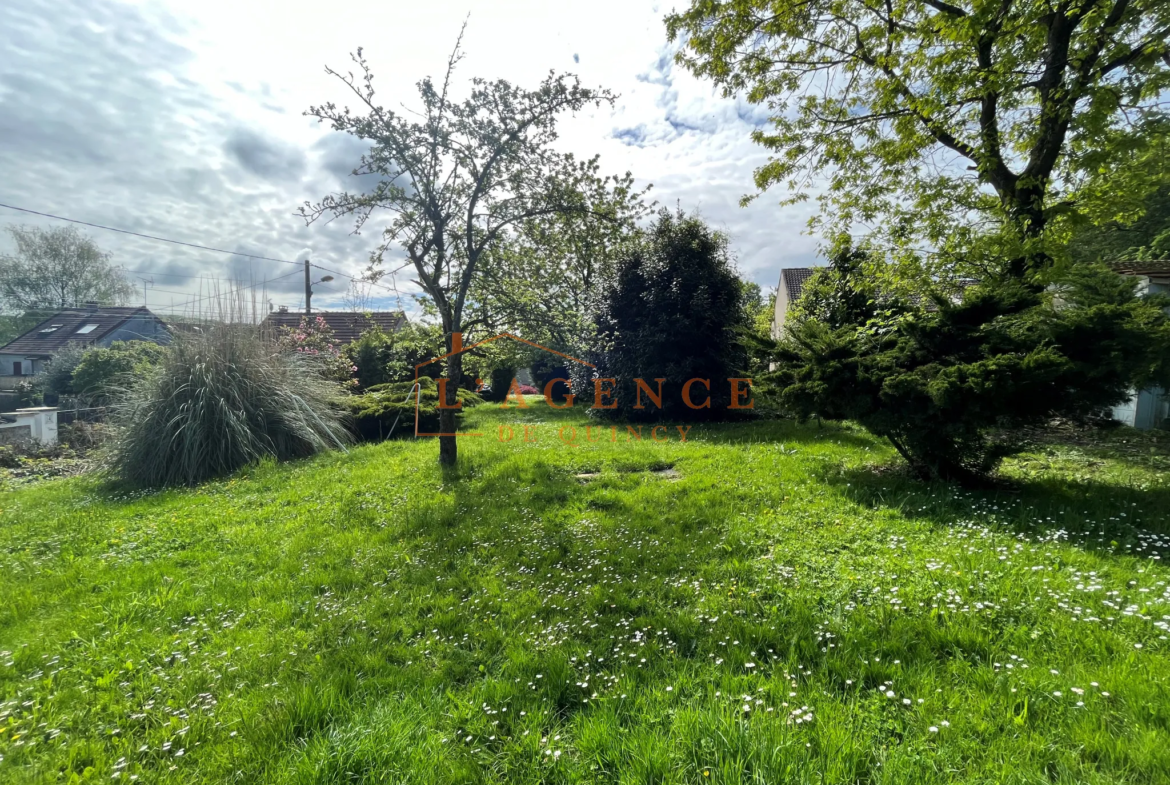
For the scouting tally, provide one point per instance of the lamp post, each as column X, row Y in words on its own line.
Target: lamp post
column 309, row 290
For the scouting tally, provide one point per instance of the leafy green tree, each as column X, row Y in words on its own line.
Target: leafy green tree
column 457, row 177
column 58, row 267
column 543, row 283
column 761, row 310
column 675, row 310
column 1148, row 234
column 968, row 125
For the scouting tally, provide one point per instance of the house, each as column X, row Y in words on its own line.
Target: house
column 1146, row 409
column 347, row 326
column 792, row 281
column 89, row 325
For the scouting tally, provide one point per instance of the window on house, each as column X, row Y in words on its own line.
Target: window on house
column 52, row 328
column 16, row 369
column 88, row 328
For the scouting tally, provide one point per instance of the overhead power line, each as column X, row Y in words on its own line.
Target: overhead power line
column 203, row 248
column 146, row 236
column 238, row 289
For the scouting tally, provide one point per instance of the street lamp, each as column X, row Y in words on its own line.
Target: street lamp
column 309, row 288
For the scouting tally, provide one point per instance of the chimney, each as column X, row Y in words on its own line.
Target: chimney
column 284, row 309
column 91, row 305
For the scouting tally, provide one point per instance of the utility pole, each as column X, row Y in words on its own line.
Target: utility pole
column 308, row 289
column 145, row 282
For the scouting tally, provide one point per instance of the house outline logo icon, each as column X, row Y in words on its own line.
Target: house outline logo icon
column 457, row 347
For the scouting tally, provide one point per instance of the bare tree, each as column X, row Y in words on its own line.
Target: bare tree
column 456, row 178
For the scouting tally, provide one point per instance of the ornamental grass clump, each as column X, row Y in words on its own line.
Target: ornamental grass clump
column 222, row 399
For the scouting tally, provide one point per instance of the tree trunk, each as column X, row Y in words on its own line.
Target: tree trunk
column 448, row 442
column 448, row 425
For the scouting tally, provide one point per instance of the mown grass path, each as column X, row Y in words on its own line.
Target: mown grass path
column 757, row 604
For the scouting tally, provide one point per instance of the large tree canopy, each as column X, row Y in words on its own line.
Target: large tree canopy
column 544, row 282
column 58, row 267
column 456, row 178
column 922, row 113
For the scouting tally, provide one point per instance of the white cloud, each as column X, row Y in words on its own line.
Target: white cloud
column 186, row 120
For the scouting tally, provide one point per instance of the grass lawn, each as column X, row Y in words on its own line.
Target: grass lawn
column 761, row 603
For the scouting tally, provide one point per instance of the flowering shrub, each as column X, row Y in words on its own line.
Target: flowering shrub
column 314, row 338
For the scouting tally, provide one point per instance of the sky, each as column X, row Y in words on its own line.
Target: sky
column 185, row 120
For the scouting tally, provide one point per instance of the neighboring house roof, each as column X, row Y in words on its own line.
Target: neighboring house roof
column 794, row 280
column 1148, row 267
column 73, row 325
column 347, row 326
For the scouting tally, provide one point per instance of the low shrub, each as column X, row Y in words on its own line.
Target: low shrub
column 387, row 410
column 547, row 367
column 369, row 355
column 82, row 435
column 218, row 401
column 101, row 374
column 29, row 392
column 380, row 357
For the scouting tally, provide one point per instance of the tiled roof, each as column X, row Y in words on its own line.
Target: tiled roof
column 70, row 326
column 347, row 326
column 795, row 279
column 1149, row 267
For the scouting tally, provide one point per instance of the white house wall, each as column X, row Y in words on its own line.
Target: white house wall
column 781, row 312
column 27, row 367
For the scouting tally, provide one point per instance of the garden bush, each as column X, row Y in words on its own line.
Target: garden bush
column 955, row 386
column 102, row 373
column 29, row 392
column 675, row 310
column 370, row 355
column 57, row 378
column 380, row 357
column 387, row 410
column 221, row 400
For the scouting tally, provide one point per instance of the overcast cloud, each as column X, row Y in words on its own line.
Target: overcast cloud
column 185, row 120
